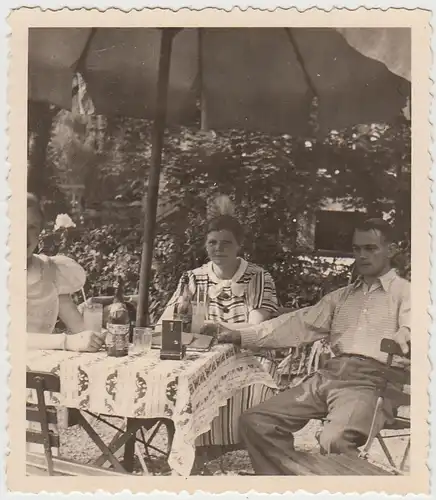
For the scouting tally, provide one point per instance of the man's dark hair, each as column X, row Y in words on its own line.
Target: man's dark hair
column 378, row 225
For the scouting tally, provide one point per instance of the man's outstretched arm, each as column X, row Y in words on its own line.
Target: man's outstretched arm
column 288, row 330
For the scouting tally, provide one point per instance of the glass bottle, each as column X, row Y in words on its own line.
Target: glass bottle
column 183, row 306
column 118, row 324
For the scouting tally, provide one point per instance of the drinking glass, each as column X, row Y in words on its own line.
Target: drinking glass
column 93, row 317
column 199, row 316
column 142, row 336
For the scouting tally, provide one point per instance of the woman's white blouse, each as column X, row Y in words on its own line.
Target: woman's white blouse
column 47, row 278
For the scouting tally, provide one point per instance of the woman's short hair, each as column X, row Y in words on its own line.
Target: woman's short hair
column 34, row 202
column 227, row 223
column 377, row 224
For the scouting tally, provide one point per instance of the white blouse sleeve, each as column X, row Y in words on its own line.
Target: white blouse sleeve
column 69, row 276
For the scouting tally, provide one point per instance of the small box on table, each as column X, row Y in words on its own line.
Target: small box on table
column 172, row 346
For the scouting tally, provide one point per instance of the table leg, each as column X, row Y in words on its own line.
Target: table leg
column 127, row 438
column 107, row 453
column 121, row 441
column 129, row 447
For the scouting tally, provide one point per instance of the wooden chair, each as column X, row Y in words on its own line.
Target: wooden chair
column 303, row 463
column 400, row 424
column 45, row 463
column 310, row 464
column 400, row 427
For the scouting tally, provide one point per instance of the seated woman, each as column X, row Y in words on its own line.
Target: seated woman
column 50, row 283
column 237, row 291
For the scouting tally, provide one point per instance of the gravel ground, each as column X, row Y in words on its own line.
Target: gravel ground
column 76, row 445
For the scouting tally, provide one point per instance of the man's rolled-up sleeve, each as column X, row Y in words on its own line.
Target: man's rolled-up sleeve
column 303, row 326
column 404, row 319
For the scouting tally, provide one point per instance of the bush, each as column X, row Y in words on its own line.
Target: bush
column 272, row 180
column 105, row 253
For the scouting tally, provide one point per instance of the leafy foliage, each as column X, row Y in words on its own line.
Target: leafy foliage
column 272, row 180
column 275, row 183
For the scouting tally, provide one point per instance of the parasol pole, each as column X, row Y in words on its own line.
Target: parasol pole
column 301, row 62
column 150, row 202
column 313, row 118
column 203, row 103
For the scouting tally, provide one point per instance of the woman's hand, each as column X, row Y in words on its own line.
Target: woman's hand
column 85, row 341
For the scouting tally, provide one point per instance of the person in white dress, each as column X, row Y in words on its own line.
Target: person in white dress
column 50, row 283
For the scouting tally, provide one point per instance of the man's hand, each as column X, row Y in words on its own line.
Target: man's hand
column 221, row 333
column 402, row 338
column 210, row 329
column 227, row 336
column 85, row 341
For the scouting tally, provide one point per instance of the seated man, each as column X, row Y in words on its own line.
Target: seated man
column 345, row 391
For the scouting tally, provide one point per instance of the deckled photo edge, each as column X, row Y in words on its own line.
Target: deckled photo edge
column 19, row 21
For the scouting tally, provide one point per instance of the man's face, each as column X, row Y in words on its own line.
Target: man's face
column 372, row 253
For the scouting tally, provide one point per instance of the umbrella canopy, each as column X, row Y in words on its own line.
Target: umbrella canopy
column 391, row 46
column 248, row 78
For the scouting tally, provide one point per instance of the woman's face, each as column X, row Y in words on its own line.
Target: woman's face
column 222, row 247
column 34, row 227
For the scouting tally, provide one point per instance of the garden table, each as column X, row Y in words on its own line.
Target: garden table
column 141, row 386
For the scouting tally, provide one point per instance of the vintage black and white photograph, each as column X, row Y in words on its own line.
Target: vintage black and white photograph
column 218, row 255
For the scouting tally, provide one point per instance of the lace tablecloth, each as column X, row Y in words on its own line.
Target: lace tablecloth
column 190, row 392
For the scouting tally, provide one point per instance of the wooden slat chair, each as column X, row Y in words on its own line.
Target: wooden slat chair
column 400, row 424
column 303, row 463
column 45, row 463
column 400, row 427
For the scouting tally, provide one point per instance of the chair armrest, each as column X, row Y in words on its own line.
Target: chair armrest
column 389, row 346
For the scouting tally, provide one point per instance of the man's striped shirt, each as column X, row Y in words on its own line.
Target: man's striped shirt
column 355, row 318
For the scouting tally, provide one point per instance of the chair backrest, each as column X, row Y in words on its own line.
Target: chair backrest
column 402, row 377
column 42, row 382
column 392, row 348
